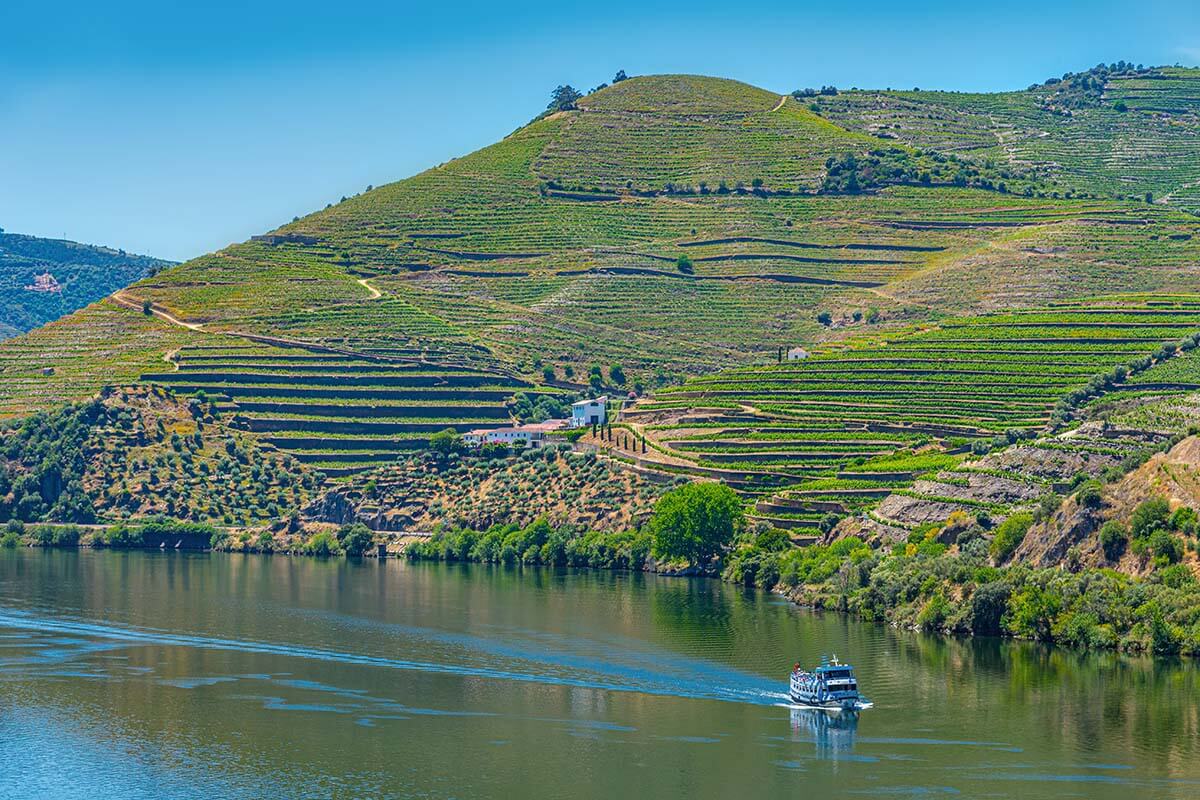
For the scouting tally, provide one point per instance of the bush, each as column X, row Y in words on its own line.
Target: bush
column 933, row 615
column 322, row 544
column 1148, row 517
column 1009, row 534
column 815, row 564
column 696, row 521
column 1184, row 520
column 265, row 542
column 56, row 536
column 1090, row 494
column 1113, row 539
column 121, row 535
column 775, row 540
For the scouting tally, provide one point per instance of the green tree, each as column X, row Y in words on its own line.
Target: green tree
column 696, row 522
column 1164, row 638
column 563, row 98
column 355, row 539
column 1166, row 546
column 988, row 607
column 684, row 264
column 447, row 442
column 1033, row 611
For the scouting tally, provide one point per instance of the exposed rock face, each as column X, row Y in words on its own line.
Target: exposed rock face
column 331, row 507
column 985, row 488
column 870, row 531
column 915, row 510
column 1174, row 476
column 1073, row 525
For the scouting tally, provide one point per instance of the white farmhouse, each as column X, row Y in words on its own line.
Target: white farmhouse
column 521, row 435
column 589, row 412
column 797, row 354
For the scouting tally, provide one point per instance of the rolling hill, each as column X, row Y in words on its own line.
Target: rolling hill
column 961, row 267
column 78, row 275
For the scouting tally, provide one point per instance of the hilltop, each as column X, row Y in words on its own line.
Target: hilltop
column 44, row 279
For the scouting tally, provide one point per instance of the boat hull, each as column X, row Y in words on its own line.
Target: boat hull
column 830, row 705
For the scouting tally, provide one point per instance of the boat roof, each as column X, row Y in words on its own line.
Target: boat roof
column 832, row 667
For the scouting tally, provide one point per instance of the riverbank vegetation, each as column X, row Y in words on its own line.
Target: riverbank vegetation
column 956, row 588
column 691, row 527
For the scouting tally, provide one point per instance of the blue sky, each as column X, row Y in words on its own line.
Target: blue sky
column 174, row 129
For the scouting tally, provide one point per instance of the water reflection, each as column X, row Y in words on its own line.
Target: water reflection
column 833, row 733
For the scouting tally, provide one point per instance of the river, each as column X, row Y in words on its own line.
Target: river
column 182, row 675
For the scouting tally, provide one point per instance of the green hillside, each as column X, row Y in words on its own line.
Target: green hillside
column 940, row 254
column 1106, row 132
column 79, row 274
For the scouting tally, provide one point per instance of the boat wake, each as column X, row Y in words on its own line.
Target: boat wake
column 67, row 639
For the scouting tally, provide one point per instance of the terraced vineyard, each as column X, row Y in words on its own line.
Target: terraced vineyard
column 871, row 416
column 1015, row 477
column 73, row 357
column 560, row 245
column 338, row 414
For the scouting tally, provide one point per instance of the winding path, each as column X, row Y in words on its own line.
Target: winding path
column 120, row 298
column 375, row 293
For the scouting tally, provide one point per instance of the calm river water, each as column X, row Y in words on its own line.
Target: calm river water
column 146, row 675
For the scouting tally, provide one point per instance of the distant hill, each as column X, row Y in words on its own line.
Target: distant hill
column 44, row 279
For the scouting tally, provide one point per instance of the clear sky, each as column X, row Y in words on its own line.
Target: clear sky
column 176, row 128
